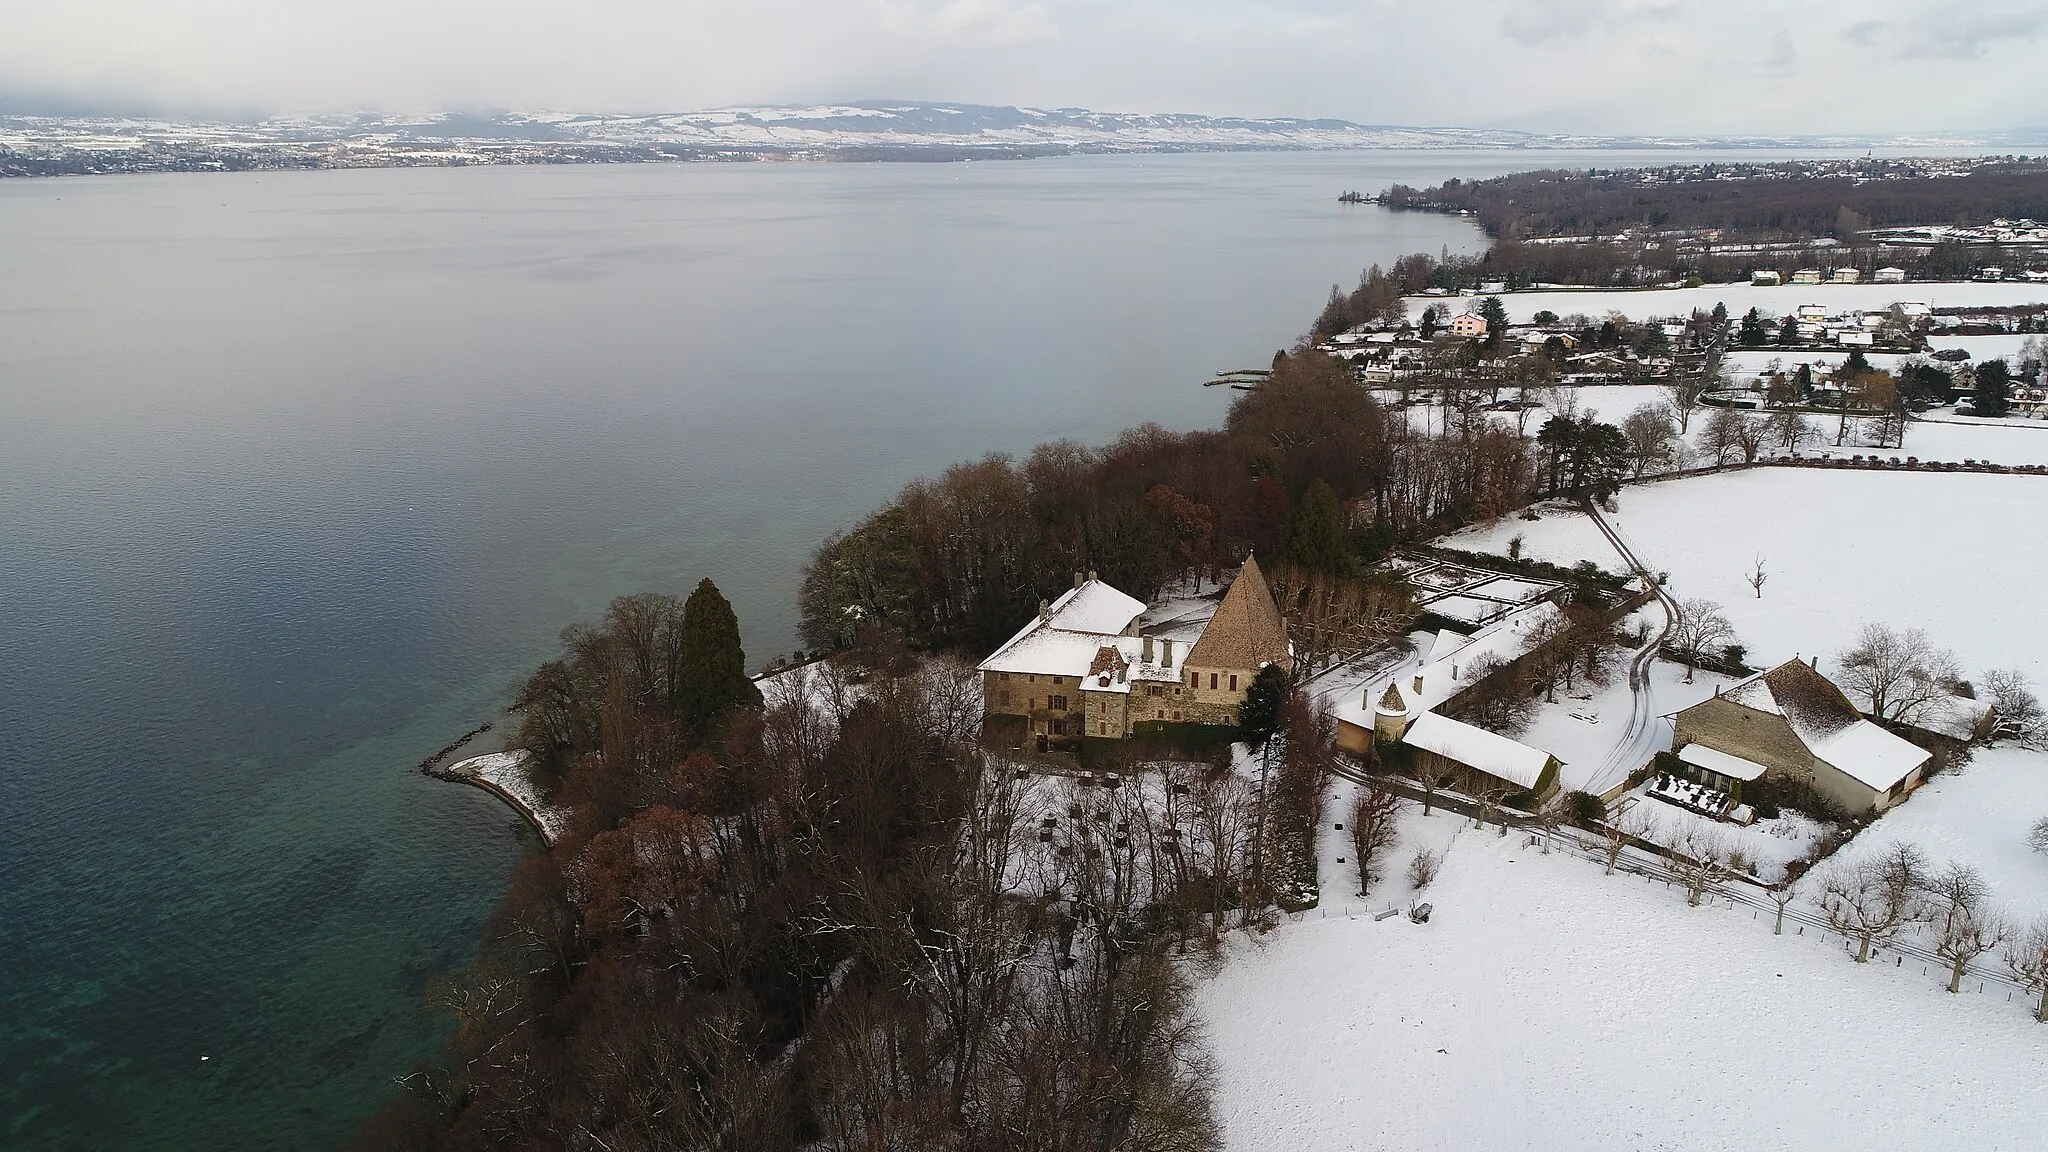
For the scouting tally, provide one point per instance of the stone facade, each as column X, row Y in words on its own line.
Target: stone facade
column 1086, row 668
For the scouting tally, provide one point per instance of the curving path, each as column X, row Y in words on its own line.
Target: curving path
column 1637, row 743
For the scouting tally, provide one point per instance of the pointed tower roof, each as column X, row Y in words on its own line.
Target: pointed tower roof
column 1247, row 630
column 1391, row 702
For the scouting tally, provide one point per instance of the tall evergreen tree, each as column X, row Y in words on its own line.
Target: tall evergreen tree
column 711, row 675
column 1258, row 715
column 1316, row 539
column 1993, row 394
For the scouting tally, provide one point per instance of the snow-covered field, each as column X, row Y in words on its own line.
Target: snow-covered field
column 1979, row 817
column 1546, row 1006
column 1958, row 554
column 1740, row 298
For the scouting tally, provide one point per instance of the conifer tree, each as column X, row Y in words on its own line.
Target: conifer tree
column 1316, row 540
column 711, row 675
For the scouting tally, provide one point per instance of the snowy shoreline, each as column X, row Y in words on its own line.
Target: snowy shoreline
column 503, row 774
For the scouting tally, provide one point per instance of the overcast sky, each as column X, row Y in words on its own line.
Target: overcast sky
column 1615, row 66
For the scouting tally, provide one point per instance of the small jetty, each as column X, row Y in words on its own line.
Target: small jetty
column 1242, row 379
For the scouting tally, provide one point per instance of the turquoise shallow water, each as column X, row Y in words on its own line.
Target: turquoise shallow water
column 299, row 471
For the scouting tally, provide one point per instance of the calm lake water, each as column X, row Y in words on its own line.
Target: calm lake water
column 298, row 472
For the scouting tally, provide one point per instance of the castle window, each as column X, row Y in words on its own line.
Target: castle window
column 1056, row 703
column 1212, row 680
column 1233, row 683
column 1102, row 729
column 1059, row 679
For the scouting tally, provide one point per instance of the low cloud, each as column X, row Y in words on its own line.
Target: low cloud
column 1967, row 38
column 976, row 21
column 1573, row 19
column 1864, row 32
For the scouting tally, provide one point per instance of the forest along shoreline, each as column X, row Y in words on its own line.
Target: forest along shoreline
column 820, row 911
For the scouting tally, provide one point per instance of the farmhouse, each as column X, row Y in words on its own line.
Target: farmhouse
column 1793, row 723
column 1084, row 666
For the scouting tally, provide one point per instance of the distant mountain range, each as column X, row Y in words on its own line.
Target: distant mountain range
column 52, row 145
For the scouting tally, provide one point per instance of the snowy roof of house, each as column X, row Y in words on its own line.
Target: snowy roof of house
column 1489, row 752
column 1064, row 640
column 1445, row 675
column 1829, row 725
column 1095, row 607
column 1720, row 763
column 1447, row 642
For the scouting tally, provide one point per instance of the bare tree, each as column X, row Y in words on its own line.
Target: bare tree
column 1900, row 675
column 1651, row 435
column 1700, row 861
column 1756, row 577
column 1789, row 431
column 2037, row 836
column 1684, row 392
column 1422, row 869
column 2026, row 957
column 1375, row 826
column 1964, row 926
column 1874, row 899
column 1435, row 774
column 1782, row 893
column 1701, row 627
column 1630, row 826
column 1723, row 435
column 2019, row 711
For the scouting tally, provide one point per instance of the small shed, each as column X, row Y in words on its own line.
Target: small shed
column 1481, row 760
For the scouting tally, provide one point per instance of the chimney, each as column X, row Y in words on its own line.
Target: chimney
column 1077, row 577
column 1717, row 691
column 1045, row 609
column 1148, row 650
column 1816, row 664
column 1091, row 573
column 1454, row 672
column 1166, row 653
column 1418, row 683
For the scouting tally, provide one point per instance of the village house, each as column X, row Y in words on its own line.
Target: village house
column 1467, row 327
column 1793, row 723
column 1889, row 276
column 1085, row 667
column 1765, row 279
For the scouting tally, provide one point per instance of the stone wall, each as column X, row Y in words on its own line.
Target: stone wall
column 1033, row 697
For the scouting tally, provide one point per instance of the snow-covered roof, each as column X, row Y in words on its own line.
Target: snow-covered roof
column 1872, row 755
column 1095, row 607
column 1064, row 639
column 1450, row 672
column 1720, row 763
column 1493, row 754
column 1829, row 725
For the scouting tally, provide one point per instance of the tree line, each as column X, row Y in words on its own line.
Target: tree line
column 1309, row 471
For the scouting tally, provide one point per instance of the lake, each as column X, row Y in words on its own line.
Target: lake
column 300, row 471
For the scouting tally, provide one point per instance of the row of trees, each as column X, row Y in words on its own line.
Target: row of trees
column 961, row 560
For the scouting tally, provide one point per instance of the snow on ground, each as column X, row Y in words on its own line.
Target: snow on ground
column 1546, row 1006
column 1958, row 554
column 1337, row 867
column 507, row 772
column 1740, row 298
column 1583, row 746
column 1768, row 844
column 1979, row 817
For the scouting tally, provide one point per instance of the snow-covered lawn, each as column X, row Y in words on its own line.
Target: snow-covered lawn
column 1958, row 554
column 1582, row 746
column 1979, row 817
column 1546, row 1006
